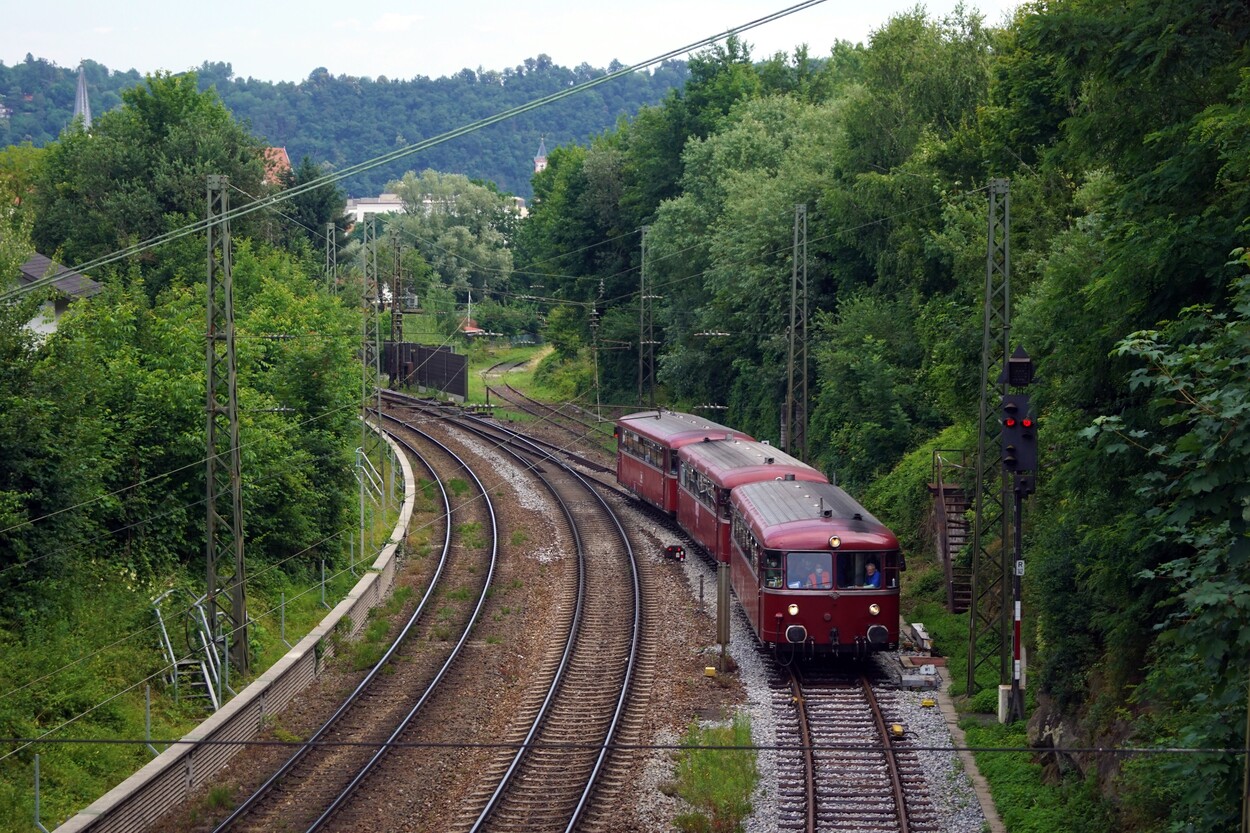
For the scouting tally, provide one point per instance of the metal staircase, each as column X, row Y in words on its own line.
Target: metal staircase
column 950, row 507
column 193, row 657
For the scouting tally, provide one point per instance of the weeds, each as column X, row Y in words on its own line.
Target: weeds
column 717, row 783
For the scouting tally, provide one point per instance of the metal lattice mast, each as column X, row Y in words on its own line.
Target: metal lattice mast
column 989, row 617
column 369, row 346
column 646, row 334
column 397, row 306
column 796, row 367
column 332, row 258
column 223, row 476
column 397, row 314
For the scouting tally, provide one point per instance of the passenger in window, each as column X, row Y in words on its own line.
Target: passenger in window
column 820, row 578
column 872, row 578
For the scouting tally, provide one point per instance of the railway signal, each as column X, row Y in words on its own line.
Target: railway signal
column 675, row 552
column 1019, row 434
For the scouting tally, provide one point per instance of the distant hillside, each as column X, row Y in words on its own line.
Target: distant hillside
column 344, row 120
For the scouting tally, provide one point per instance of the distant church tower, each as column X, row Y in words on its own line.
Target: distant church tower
column 82, row 107
column 540, row 161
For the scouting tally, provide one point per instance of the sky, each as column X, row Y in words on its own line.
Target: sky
column 285, row 42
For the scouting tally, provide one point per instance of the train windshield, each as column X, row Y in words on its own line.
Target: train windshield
column 859, row 570
column 809, row 570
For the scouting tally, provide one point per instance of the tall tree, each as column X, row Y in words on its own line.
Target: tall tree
column 457, row 226
column 142, row 171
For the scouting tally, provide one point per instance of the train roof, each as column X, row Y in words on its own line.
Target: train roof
column 674, row 429
column 792, row 515
column 729, row 463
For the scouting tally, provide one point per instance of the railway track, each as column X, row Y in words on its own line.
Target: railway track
column 847, row 770
column 444, row 410
column 567, row 418
column 320, row 779
column 565, row 728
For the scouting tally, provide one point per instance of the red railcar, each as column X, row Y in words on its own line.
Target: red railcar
column 647, row 444
column 802, row 563
column 711, row 469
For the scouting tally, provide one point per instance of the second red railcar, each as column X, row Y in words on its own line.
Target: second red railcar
column 647, row 445
column 813, row 569
column 708, row 472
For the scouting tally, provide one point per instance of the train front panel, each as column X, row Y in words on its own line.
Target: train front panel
column 813, row 570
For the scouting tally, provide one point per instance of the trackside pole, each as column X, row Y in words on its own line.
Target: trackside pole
column 38, row 823
column 722, row 610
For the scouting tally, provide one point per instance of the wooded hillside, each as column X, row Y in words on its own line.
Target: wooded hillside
column 343, row 120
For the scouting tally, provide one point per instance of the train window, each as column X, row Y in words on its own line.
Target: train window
column 860, row 570
column 809, row 570
column 672, row 461
column 772, row 568
column 743, row 538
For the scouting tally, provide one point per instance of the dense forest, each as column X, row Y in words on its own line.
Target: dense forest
column 343, row 120
column 1124, row 129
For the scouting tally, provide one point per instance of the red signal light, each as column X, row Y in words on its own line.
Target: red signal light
column 1027, row 422
column 1010, row 422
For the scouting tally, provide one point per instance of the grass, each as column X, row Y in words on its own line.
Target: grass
column 482, row 357
column 1026, row 803
column 716, row 783
column 471, row 535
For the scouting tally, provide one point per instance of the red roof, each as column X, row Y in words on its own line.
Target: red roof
column 673, row 430
column 730, row 463
column 277, row 163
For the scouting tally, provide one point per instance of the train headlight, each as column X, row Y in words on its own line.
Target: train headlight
column 794, row 609
column 874, row 609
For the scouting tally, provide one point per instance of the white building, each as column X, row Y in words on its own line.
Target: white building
column 384, row 204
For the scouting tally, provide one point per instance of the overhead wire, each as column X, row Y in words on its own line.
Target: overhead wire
column 271, row 473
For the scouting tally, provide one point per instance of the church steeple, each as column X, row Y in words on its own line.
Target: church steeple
column 82, row 107
column 540, row 161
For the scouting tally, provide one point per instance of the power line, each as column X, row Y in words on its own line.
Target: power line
column 676, row 747
column 413, row 148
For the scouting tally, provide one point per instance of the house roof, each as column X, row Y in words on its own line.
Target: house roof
column 276, row 164
column 74, row 284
